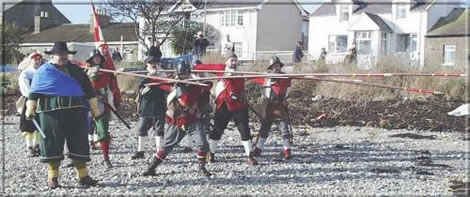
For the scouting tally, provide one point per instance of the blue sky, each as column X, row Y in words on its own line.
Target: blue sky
column 79, row 11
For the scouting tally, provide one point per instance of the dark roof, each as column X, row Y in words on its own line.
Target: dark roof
column 371, row 6
column 380, row 22
column 456, row 23
column 81, row 33
column 326, row 9
column 22, row 14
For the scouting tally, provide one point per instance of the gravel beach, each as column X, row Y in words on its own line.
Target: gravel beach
column 335, row 161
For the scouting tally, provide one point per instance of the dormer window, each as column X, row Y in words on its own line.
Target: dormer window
column 401, row 11
column 343, row 13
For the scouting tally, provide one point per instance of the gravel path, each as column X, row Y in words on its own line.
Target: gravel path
column 339, row 160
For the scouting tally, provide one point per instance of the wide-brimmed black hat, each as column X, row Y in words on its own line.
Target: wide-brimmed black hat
column 274, row 60
column 60, row 46
column 152, row 59
column 94, row 53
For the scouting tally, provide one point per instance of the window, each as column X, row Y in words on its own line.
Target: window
column 343, row 13
column 337, row 43
column 363, row 41
column 238, row 49
column 222, row 19
column 412, row 43
column 231, row 18
column 449, row 55
column 240, row 18
column 407, row 43
column 384, row 43
column 401, row 11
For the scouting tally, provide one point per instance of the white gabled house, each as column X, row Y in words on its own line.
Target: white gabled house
column 257, row 28
column 377, row 28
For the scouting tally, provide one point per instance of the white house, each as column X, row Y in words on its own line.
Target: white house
column 377, row 28
column 257, row 28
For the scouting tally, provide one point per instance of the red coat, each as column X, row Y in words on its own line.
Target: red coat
column 184, row 109
column 104, row 79
column 227, row 89
column 279, row 86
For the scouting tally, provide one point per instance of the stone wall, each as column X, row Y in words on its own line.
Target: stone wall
column 434, row 50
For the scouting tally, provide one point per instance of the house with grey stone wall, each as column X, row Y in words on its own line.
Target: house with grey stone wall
column 448, row 42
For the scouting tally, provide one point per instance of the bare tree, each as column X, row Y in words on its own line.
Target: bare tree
column 11, row 36
column 158, row 21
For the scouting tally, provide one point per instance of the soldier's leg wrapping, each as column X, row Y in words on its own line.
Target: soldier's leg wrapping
column 27, row 128
column 197, row 133
column 284, row 127
column 52, row 146
column 241, row 120
column 264, row 133
column 81, row 168
column 102, row 126
column 173, row 136
column 221, row 119
column 159, row 129
column 143, row 125
column 75, row 130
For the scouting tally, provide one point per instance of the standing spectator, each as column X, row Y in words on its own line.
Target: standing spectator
column 351, row 58
column 200, row 45
column 116, row 55
column 322, row 58
column 298, row 54
column 155, row 51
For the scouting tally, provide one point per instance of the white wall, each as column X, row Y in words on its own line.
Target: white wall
column 245, row 34
column 320, row 28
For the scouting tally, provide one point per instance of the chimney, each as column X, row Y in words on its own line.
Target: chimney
column 37, row 24
column 102, row 17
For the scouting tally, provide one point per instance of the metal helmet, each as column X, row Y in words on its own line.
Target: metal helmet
column 94, row 53
column 183, row 68
column 275, row 60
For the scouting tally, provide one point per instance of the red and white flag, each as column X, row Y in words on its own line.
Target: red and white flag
column 109, row 64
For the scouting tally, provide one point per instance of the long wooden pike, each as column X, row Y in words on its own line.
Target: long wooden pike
column 316, row 75
column 407, row 74
column 334, row 74
column 206, row 71
column 153, row 77
column 360, row 82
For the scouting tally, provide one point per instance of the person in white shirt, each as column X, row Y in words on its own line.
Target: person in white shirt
column 29, row 66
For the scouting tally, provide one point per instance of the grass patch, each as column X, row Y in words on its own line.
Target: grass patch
column 454, row 88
